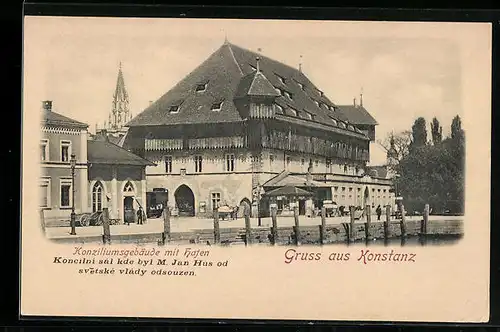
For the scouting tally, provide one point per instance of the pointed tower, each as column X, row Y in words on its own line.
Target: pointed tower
column 120, row 112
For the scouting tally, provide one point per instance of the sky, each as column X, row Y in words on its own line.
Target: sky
column 404, row 70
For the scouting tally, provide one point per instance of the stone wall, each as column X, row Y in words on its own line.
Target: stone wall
column 334, row 233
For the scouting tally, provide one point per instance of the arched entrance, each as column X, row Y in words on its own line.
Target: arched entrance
column 97, row 197
column 128, row 203
column 244, row 204
column 184, row 200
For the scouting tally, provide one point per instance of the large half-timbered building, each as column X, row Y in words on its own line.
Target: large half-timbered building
column 241, row 124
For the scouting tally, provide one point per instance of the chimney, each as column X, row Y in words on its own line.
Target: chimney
column 258, row 66
column 354, row 101
column 47, row 105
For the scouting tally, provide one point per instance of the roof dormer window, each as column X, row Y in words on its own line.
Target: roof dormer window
column 280, row 91
column 317, row 103
column 202, row 86
column 289, row 95
column 293, row 111
column 308, row 115
column 334, row 121
column 173, row 109
column 320, row 92
column 281, row 78
column 217, row 106
column 342, row 125
column 302, row 86
column 279, row 109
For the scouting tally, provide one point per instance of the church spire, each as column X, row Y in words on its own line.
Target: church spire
column 120, row 112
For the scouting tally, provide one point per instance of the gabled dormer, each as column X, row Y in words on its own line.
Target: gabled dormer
column 255, row 96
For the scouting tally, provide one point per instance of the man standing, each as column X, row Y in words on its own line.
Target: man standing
column 379, row 212
column 139, row 216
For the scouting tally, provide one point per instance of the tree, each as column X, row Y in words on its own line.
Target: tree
column 436, row 131
column 435, row 173
column 400, row 143
column 419, row 133
column 456, row 128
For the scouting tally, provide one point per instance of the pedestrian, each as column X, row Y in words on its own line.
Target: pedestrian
column 139, row 216
column 379, row 212
column 235, row 213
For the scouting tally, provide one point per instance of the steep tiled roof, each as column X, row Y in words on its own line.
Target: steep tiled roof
column 288, row 191
column 103, row 152
column 357, row 115
column 286, row 179
column 223, row 76
column 55, row 119
column 255, row 84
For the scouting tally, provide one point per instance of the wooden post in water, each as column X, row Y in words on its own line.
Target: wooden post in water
column 322, row 227
column 216, row 226
column 165, row 238
column 368, row 223
column 248, row 227
column 352, row 232
column 274, row 230
column 106, row 237
column 42, row 220
column 425, row 219
column 403, row 225
column 423, row 226
column 386, row 223
column 296, row 228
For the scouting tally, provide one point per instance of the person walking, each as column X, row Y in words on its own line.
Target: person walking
column 379, row 212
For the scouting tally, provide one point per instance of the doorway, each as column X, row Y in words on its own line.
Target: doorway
column 184, row 199
column 128, row 209
column 244, row 204
column 302, row 207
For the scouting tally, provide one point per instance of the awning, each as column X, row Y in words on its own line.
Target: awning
column 288, row 191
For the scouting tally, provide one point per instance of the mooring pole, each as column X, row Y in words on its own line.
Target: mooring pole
column 106, row 237
column 166, row 225
column 248, row 227
column 322, row 227
column 274, row 230
column 296, row 229
column 216, row 226
column 386, row 224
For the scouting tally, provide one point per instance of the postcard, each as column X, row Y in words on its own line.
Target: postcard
column 256, row 169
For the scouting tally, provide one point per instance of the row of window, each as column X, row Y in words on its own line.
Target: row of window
column 64, row 150
column 198, row 163
column 175, row 108
column 230, row 162
column 336, row 188
column 65, row 193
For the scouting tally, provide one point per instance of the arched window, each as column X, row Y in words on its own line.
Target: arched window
column 128, row 187
column 97, row 194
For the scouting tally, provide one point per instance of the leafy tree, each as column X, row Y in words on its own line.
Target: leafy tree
column 436, row 131
column 434, row 174
column 419, row 133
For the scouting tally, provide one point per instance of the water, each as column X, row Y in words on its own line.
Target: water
column 152, row 239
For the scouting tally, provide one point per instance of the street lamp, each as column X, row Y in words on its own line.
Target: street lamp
column 73, row 216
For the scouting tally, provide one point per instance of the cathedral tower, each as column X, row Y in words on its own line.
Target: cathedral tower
column 120, row 112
